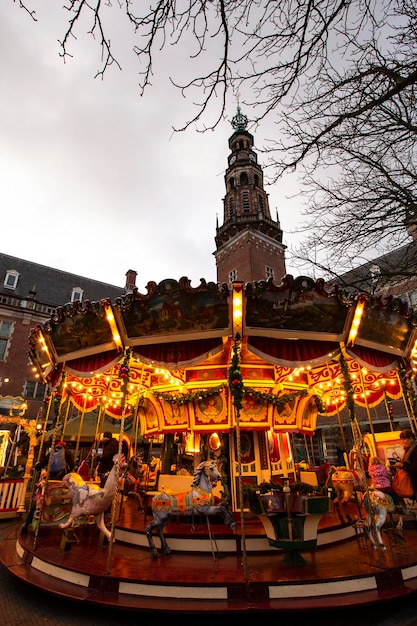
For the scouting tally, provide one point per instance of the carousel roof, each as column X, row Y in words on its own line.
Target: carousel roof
column 299, row 345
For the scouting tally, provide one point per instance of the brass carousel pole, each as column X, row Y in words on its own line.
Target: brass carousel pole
column 367, row 406
column 124, row 375
column 45, row 427
column 387, row 408
column 136, row 422
column 67, row 408
column 80, row 427
column 405, row 385
column 236, row 390
column 339, row 417
column 58, row 408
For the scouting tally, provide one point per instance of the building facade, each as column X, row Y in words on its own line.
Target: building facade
column 29, row 294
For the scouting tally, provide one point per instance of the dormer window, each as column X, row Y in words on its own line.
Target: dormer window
column 375, row 272
column 77, row 294
column 10, row 282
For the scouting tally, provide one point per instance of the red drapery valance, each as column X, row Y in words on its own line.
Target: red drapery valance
column 293, row 353
column 178, row 354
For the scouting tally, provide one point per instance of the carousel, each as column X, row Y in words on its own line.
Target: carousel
column 219, row 382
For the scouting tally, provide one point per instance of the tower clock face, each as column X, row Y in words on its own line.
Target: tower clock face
column 252, row 157
column 232, row 159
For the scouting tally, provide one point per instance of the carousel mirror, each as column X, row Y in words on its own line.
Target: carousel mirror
column 214, row 442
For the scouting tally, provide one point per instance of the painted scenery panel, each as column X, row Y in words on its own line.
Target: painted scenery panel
column 300, row 307
column 171, row 310
column 385, row 326
column 80, row 332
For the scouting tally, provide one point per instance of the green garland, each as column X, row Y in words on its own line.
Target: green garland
column 185, row 398
column 238, row 391
column 347, row 383
column 235, row 379
column 407, row 388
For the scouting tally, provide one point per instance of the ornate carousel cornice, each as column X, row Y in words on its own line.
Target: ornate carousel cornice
column 293, row 339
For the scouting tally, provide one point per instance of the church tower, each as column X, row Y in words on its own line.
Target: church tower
column 249, row 244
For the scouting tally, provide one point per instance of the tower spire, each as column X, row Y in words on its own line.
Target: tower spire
column 249, row 243
column 239, row 121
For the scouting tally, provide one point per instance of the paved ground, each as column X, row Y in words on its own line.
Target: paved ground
column 22, row 605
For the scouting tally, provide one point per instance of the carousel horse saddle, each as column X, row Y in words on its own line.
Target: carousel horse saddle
column 382, row 500
column 181, row 500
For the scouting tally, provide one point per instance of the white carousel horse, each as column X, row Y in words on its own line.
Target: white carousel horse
column 90, row 499
column 196, row 501
column 377, row 504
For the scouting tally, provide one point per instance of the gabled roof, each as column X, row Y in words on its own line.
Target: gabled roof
column 387, row 270
column 51, row 286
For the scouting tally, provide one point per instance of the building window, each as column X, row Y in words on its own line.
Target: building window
column 10, row 282
column 269, row 272
column 261, row 202
column 245, row 202
column 5, row 333
column 232, row 276
column 77, row 294
column 244, row 178
column 411, row 297
column 35, row 390
column 231, row 207
column 375, row 272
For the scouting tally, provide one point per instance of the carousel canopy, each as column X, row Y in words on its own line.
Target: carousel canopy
column 167, row 353
column 12, row 406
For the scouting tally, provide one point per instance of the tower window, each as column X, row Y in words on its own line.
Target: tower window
column 261, row 201
column 244, row 178
column 232, row 276
column 245, row 202
column 269, row 272
column 231, row 207
column 256, row 180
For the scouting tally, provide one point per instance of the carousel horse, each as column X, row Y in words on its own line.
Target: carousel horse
column 346, row 483
column 90, row 499
column 196, row 501
column 377, row 504
column 136, row 478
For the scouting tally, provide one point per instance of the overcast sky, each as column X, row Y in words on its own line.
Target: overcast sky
column 92, row 178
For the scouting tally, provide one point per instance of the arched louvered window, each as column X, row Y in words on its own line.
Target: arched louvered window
column 231, row 207
column 245, row 202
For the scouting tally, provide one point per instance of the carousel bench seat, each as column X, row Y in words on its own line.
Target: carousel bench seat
column 173, row 482
column 182, row 482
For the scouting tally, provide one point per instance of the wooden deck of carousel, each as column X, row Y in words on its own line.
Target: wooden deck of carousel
column 208, row 572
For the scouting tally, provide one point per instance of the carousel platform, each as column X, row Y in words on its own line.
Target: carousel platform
column 209, row 572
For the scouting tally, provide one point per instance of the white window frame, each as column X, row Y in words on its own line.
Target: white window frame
column 10, row 280
column 77, row 294
column 232, row 276
column 269, row 273
column 5, row 338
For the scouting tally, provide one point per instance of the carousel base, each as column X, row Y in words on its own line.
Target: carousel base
column 214, row 575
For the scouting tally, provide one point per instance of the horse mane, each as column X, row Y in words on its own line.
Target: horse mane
column 197, row 474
